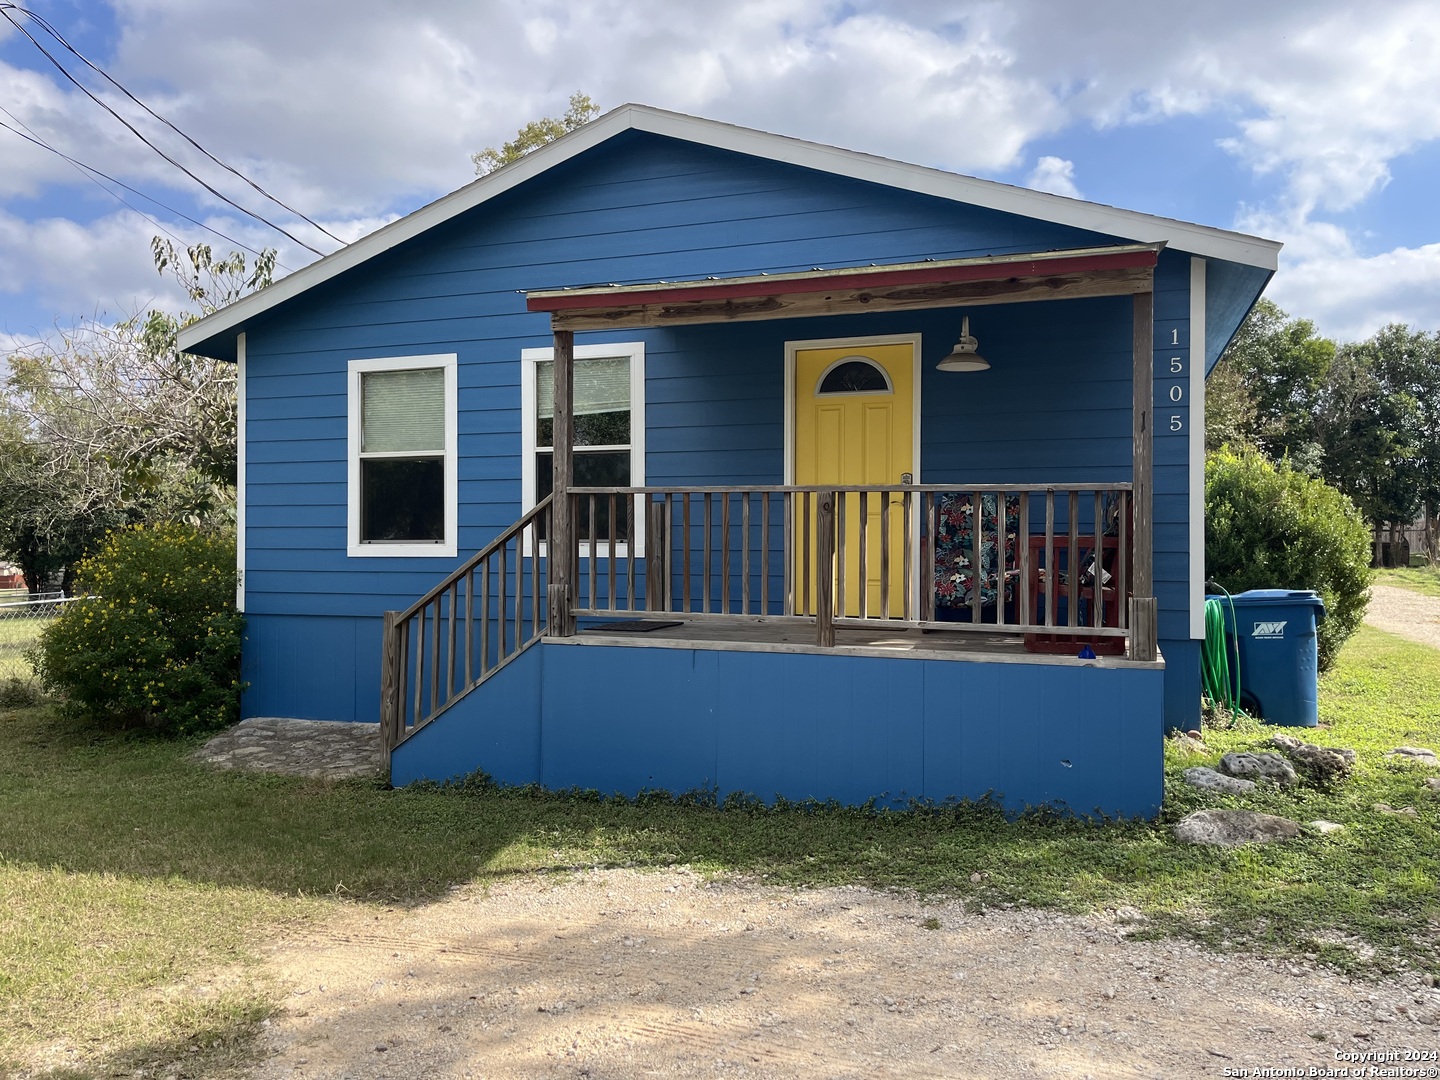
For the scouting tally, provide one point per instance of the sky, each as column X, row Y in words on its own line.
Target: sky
column 1314, row 123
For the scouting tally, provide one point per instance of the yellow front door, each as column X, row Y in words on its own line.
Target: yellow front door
column 854, row 424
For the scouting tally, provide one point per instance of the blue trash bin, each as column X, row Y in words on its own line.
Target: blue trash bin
column 1274, row 630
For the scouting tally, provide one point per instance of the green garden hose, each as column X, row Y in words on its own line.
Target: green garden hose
column 1220, row 686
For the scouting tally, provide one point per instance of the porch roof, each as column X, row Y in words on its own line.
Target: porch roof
column 993, row 279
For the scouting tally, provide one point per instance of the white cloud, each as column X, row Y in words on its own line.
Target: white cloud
column 1055, row 175
column 357, row 118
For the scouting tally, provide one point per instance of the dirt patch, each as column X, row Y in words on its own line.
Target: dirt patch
column 622, row 973
column 1410, row 614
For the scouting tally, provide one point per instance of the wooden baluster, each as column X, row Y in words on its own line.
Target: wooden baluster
column 709, row 513
column 808, row 548
column 725, row 589
column 907, row 571
column 450, row 644
column 927, row 557
column 403, row 676
column 765, row 552
column 435, row 660
column 520, row 591
column 685, row 551
column 884, row 554
column 1072, row 616
column 668, row 555
column 469, row 626
column 1052, row 580
column 500, row 628
column 485, row 616
column 977, row 548
column 612, row 555
column 787, row 579
column 1097, row 614
column 745, row 553
column 863, row 585
column 1022, row 543
column 824, row 557
column 842, row 500
column 632, row 549
column 1122, row 585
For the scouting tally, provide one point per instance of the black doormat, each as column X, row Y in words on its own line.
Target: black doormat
column 634, row 626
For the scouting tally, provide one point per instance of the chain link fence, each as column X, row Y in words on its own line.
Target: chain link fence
column 22, row 617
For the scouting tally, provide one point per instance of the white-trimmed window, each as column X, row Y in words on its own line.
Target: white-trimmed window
column 609, row 410
column 402, row 489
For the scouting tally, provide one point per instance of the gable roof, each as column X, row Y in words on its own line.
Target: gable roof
column 1128, row 224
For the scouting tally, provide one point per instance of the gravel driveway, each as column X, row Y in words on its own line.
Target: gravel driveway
column 1409, row 614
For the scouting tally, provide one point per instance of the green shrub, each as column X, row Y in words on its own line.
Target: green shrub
column 1269, row 527
column 157, row 642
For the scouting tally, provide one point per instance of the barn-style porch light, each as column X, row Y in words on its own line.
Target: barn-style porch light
column 963, row 356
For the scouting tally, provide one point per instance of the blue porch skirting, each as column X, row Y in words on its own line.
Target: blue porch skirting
column 1087, row 740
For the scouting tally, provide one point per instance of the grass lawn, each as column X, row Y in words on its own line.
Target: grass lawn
column 137, row 889
column 18, row 633
column 1421, row 579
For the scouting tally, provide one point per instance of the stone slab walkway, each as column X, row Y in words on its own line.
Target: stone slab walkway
column 321, row 748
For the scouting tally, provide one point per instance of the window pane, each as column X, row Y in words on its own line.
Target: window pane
column 601, row 385
column 855, row 375
column 592, row 429
column 402, row 499
column 605, row 468
column 402, row 411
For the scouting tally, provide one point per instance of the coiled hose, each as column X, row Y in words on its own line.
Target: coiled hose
column 1219, row 686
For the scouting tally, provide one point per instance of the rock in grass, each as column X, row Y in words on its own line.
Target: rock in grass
column 1418, row 754
column 1250, row 766
column 1325, row 828
column 1210, row 780
column 1319, row 765
column 1404, row 811
column 1231, row 828
column 1433, row 783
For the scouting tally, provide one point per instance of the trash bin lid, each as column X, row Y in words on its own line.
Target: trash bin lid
column 1291, row 597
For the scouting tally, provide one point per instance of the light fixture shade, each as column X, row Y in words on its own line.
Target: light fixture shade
column 963, row 356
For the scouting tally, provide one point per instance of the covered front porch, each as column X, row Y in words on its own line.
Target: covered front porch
column 1042, row 582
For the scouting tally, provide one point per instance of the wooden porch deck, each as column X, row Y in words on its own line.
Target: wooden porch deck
column 789, row 636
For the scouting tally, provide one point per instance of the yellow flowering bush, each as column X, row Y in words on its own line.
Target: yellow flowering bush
column 157, row 639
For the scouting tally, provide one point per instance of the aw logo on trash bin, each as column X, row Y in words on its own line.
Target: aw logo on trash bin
column 1269, row 630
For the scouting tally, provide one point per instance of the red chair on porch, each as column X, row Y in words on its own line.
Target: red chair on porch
column 1106, row 583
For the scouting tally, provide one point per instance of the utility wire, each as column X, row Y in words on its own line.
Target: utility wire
column 4, row 10
column 49, row 29
column 85, row 170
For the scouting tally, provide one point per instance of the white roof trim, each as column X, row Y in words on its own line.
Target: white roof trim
column 1128, row 224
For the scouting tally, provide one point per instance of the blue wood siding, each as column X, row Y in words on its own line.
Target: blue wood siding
column 1055, row 406
column 1082, row 739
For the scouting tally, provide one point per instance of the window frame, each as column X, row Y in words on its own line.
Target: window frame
column 530, row 360
column 448, row 547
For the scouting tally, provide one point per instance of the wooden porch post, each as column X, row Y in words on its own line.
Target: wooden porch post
column 391, row 724
column 1143, row 645
column 561, row 544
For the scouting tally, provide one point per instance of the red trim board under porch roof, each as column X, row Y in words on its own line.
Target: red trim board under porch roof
column 994, row 279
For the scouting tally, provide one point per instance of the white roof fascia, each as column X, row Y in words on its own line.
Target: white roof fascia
column 1112, row 221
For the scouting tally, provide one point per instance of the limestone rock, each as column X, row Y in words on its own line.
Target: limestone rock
column 1404, row 811
column 1210, row 780
column 1319, row 765
column 1230, row 828
column 1418, row 754
column 1433, row 783
column 1325, row 828
column 1188, row 742
column 1251, row 766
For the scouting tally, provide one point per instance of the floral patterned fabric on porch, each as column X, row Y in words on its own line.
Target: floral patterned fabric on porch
column 955, row 544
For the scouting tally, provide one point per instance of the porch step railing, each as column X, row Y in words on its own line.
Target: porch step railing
column 1049, row 561
column 464, row 630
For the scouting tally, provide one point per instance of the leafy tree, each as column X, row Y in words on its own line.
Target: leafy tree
column 1379, row 424
column 110, row 424
column 536, row 134
column 1280, row 364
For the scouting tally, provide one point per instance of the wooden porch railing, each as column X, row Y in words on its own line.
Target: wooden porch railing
column 477, row 620
column 758, row 553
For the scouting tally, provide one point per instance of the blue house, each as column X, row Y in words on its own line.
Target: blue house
column 680, row 455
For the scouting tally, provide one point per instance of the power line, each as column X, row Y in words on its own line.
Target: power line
column 49, row 29
column 4, row 10
column 85, row 170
